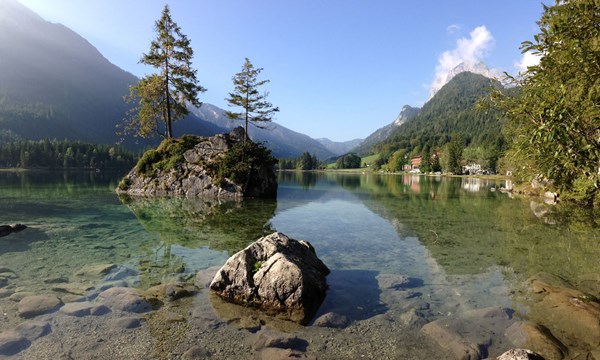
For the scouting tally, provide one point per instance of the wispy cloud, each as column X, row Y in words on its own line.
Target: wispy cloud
column 528, row 59
column 471, row 49
column 451, row 29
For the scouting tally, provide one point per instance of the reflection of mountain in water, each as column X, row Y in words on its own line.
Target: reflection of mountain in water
column 195, row 223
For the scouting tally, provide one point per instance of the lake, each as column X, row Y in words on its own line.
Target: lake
column 404, row 250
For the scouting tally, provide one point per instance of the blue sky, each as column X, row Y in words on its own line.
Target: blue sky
column 338, row 68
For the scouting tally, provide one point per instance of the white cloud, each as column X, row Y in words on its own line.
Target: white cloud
column 451, row 29
column 472, row 49
column 528, row 59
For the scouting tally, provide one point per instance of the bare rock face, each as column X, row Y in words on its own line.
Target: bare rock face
column 279, row 275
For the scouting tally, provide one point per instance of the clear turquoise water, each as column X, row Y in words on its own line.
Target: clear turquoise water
column 463, row 245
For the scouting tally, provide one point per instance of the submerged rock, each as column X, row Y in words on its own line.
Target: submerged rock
column 12, row 343
column 124, row 299
column 34, row 305
column 470, row 336
column 524, row 334
column 520, row 354
column 277, row 274
column 572, row 316
column 9, row 229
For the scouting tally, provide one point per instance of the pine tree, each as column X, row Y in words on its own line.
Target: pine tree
column 162, row 97
column 256, row 109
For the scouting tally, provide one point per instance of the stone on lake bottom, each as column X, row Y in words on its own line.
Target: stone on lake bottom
column 128, row 323
column 33, row 330
column 332, row 320
column 12, row 343
column 537, row 338
column 124, row 299
column 32, row 306
column 195, row 352
column 520, row 354
column 470, row 336
column 77, row 309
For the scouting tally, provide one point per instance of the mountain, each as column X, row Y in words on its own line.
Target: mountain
column 451, row 110
column 408, row 113
column 284, row 143
column 55, row 84
column 475, row 67
column 340, row 148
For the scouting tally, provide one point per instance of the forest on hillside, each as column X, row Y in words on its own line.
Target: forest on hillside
column 452, row 112
column 62, row 154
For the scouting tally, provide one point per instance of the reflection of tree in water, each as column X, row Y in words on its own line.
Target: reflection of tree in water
column 468, row 232
column 196, row 223
column 306, row 179
column 349, row 181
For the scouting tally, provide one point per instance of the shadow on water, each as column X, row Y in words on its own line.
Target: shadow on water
column 354, row 294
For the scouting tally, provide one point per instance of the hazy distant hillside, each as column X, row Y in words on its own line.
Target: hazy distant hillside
column 340, row 148
column 281, row 140
column 407, row 114
column 451, row 110
column 55, row 84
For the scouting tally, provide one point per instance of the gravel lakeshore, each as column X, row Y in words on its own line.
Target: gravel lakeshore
column 189, row 328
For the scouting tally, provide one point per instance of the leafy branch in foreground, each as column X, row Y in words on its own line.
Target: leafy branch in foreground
column 554, row 117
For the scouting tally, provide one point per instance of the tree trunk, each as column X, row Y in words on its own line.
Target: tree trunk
column 168, row 120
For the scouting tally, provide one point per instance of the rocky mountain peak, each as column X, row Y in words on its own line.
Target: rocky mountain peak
column 406, row 114
column 476, row 67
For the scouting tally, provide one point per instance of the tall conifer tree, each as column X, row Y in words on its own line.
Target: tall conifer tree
column 163, row 97
column 256, row 109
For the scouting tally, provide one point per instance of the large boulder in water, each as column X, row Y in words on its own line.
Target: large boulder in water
column 220, row 166
column 279, row 275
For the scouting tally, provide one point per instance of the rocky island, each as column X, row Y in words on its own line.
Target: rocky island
column 222, row 166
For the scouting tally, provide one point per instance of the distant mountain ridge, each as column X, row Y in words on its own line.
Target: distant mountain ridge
column 407, row 114
column 55, row 84
column 284, row 143
column 340, row 148
column 451, row 110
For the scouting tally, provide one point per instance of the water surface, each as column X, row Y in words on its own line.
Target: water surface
column 462, row 245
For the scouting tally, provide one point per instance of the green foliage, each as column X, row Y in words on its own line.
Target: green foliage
column 307, row 162
column 426, row 160
column 348, row 161
column 244, row 161
column 168, row 155
column 257, row 266
column 246, row 95
column 18, row 153
column 162, row 98
column 554, row 126
column 397, row 160
column 455, row 150
column 451, row 110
